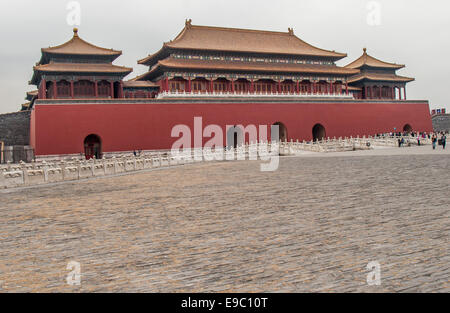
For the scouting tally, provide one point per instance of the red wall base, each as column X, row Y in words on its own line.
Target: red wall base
column 60, row 128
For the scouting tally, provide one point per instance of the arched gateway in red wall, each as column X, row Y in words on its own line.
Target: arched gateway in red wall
column 92, row 147
column 407, row 128
column 318, row 132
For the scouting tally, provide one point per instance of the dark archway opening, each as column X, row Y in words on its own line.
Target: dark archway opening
column 318, row 132
column 407, row 128
column 92, row 147
column 234, row 137
column 282, row 132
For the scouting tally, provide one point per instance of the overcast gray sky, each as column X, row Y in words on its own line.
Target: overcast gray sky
column 411, row 32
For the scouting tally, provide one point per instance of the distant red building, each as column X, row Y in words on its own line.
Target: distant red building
column 228, row 77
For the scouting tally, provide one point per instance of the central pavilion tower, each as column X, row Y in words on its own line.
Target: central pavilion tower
column 214, row 60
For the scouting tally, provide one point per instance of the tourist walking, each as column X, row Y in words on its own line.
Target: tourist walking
column 434, row 140
column 443, row 140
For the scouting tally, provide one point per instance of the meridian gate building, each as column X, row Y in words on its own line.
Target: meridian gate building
column 227, row 76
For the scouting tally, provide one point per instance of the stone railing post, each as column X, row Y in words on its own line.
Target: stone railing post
column 115, row 163
column 76, row 163
column 62, row 165
column 2, row 178
column 45, row 169
column 144, row 162
column 24, row 172
column 92, row 166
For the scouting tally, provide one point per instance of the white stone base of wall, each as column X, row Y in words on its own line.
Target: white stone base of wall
column 52, row 169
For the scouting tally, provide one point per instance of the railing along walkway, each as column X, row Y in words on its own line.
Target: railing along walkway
column 45, row 171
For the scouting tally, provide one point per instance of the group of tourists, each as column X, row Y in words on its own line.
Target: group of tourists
column 438, row 138
column 442, row 141
column 401, row 142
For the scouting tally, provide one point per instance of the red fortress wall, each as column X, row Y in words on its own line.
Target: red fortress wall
column 60, row 127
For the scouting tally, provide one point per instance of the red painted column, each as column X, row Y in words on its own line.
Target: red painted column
column 120, row 91
column 372, row 96
column 279, row 86
column 252, row 86
column 96, row 88
column 55, row 90
column 189, row 88
column 43, row 90
column 331, row 88
column 166, row 81
column 404, row 92
column 314, row 87
column 72, row 95
column 112, row 90
column 392, row 92
column 346, row 88
column 232, row 86
column 211, row 85
column 298, row 86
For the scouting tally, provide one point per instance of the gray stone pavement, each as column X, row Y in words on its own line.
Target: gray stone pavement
column 311, row 226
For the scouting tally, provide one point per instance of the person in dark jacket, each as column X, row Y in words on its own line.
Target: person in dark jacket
column 433, row 141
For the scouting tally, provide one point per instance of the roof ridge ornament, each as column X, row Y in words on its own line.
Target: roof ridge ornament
column 365, row 50
column 291, row 31
column 188, row 23
column 75, row 32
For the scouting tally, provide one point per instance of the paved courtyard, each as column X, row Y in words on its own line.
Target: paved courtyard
column 311, row 226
